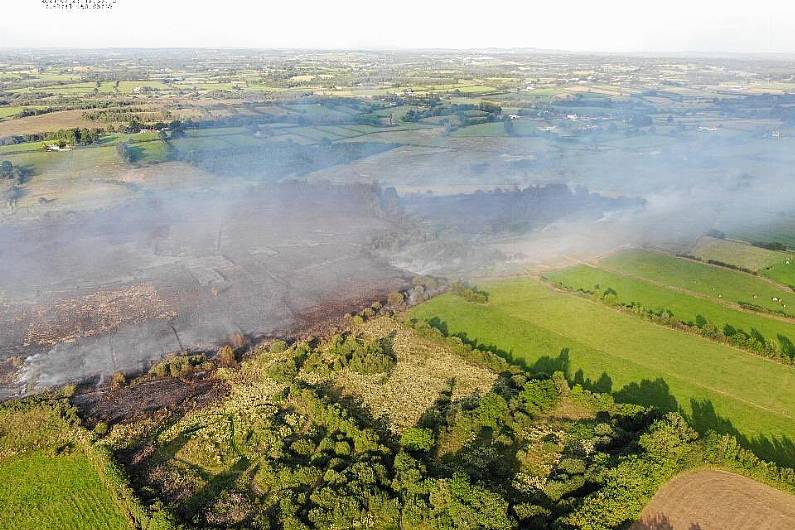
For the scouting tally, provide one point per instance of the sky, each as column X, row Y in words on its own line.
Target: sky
column 727, row 26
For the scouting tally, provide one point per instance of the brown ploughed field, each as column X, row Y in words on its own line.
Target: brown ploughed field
column 717, row 500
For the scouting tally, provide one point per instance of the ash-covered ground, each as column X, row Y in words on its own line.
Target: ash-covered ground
column 87, row 293
column 90, row 293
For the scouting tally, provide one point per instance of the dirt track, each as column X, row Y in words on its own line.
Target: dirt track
column 717, row 500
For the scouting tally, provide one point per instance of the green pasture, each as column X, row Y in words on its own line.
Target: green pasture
column 41, row 491
column 46, row 479
column 783, row 271
column 716, row 386
column 683, row 306
column 736, row 253
column 717, row 283
column 775, row 229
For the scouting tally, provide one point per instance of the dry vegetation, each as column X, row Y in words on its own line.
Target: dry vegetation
column 425, row 368
column 45, row 122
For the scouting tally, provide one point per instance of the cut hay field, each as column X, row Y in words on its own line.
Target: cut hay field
column 685, row 308
column 636, row 360
column 719, row 284
column 710, row 500
column 45, row 122
column 735, row 253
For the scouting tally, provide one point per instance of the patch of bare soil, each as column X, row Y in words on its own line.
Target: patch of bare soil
column 145, row 397
column 717, row 500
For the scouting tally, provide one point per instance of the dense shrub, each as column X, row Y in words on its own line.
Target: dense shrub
column 417, row 439
column 354, row 353
column 470, row 294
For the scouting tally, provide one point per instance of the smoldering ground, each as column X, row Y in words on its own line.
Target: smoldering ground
column 95, row 292
column 183, row 265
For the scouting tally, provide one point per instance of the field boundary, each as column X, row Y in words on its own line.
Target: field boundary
column 677, row 325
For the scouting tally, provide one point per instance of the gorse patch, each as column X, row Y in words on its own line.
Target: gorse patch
column 352, row 352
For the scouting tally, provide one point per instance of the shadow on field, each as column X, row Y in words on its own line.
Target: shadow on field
column 701, row 414
column 544, row 365
column 660, row 522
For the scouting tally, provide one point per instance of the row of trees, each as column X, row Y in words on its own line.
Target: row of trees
column 782, row 350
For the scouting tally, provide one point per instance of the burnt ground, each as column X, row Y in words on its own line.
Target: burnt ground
column 86, row 294
column 147, row 396
column 91, row 293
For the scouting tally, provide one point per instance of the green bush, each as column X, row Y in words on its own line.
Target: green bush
column 470, row 294
column 101, row 428
column 417, row 439
column 350, row 351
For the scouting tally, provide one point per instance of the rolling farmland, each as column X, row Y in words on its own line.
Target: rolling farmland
column 684, row 307
column 636, row 360
column 717, row 283
column 238, row 278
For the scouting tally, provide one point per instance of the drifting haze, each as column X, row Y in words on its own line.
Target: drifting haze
column 284, row 203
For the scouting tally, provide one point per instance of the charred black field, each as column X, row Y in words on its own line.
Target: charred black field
column 181, row 271
column 184, row 271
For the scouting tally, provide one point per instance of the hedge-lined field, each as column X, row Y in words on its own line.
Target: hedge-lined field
column 735, row 253
column 719, row 283
column 715, row 385
column 40, row 491
column 686, row 308
column 47, row 480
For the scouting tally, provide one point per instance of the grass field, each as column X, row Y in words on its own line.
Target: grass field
column 482, row 129
column 8, row 112
column 46, row 479
column 777, row 228
column 683, row 306
column 39, row 491
column 736, row 253
column 783, row 271
column 45, row 122
column 720, row 284
column 636, row 360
